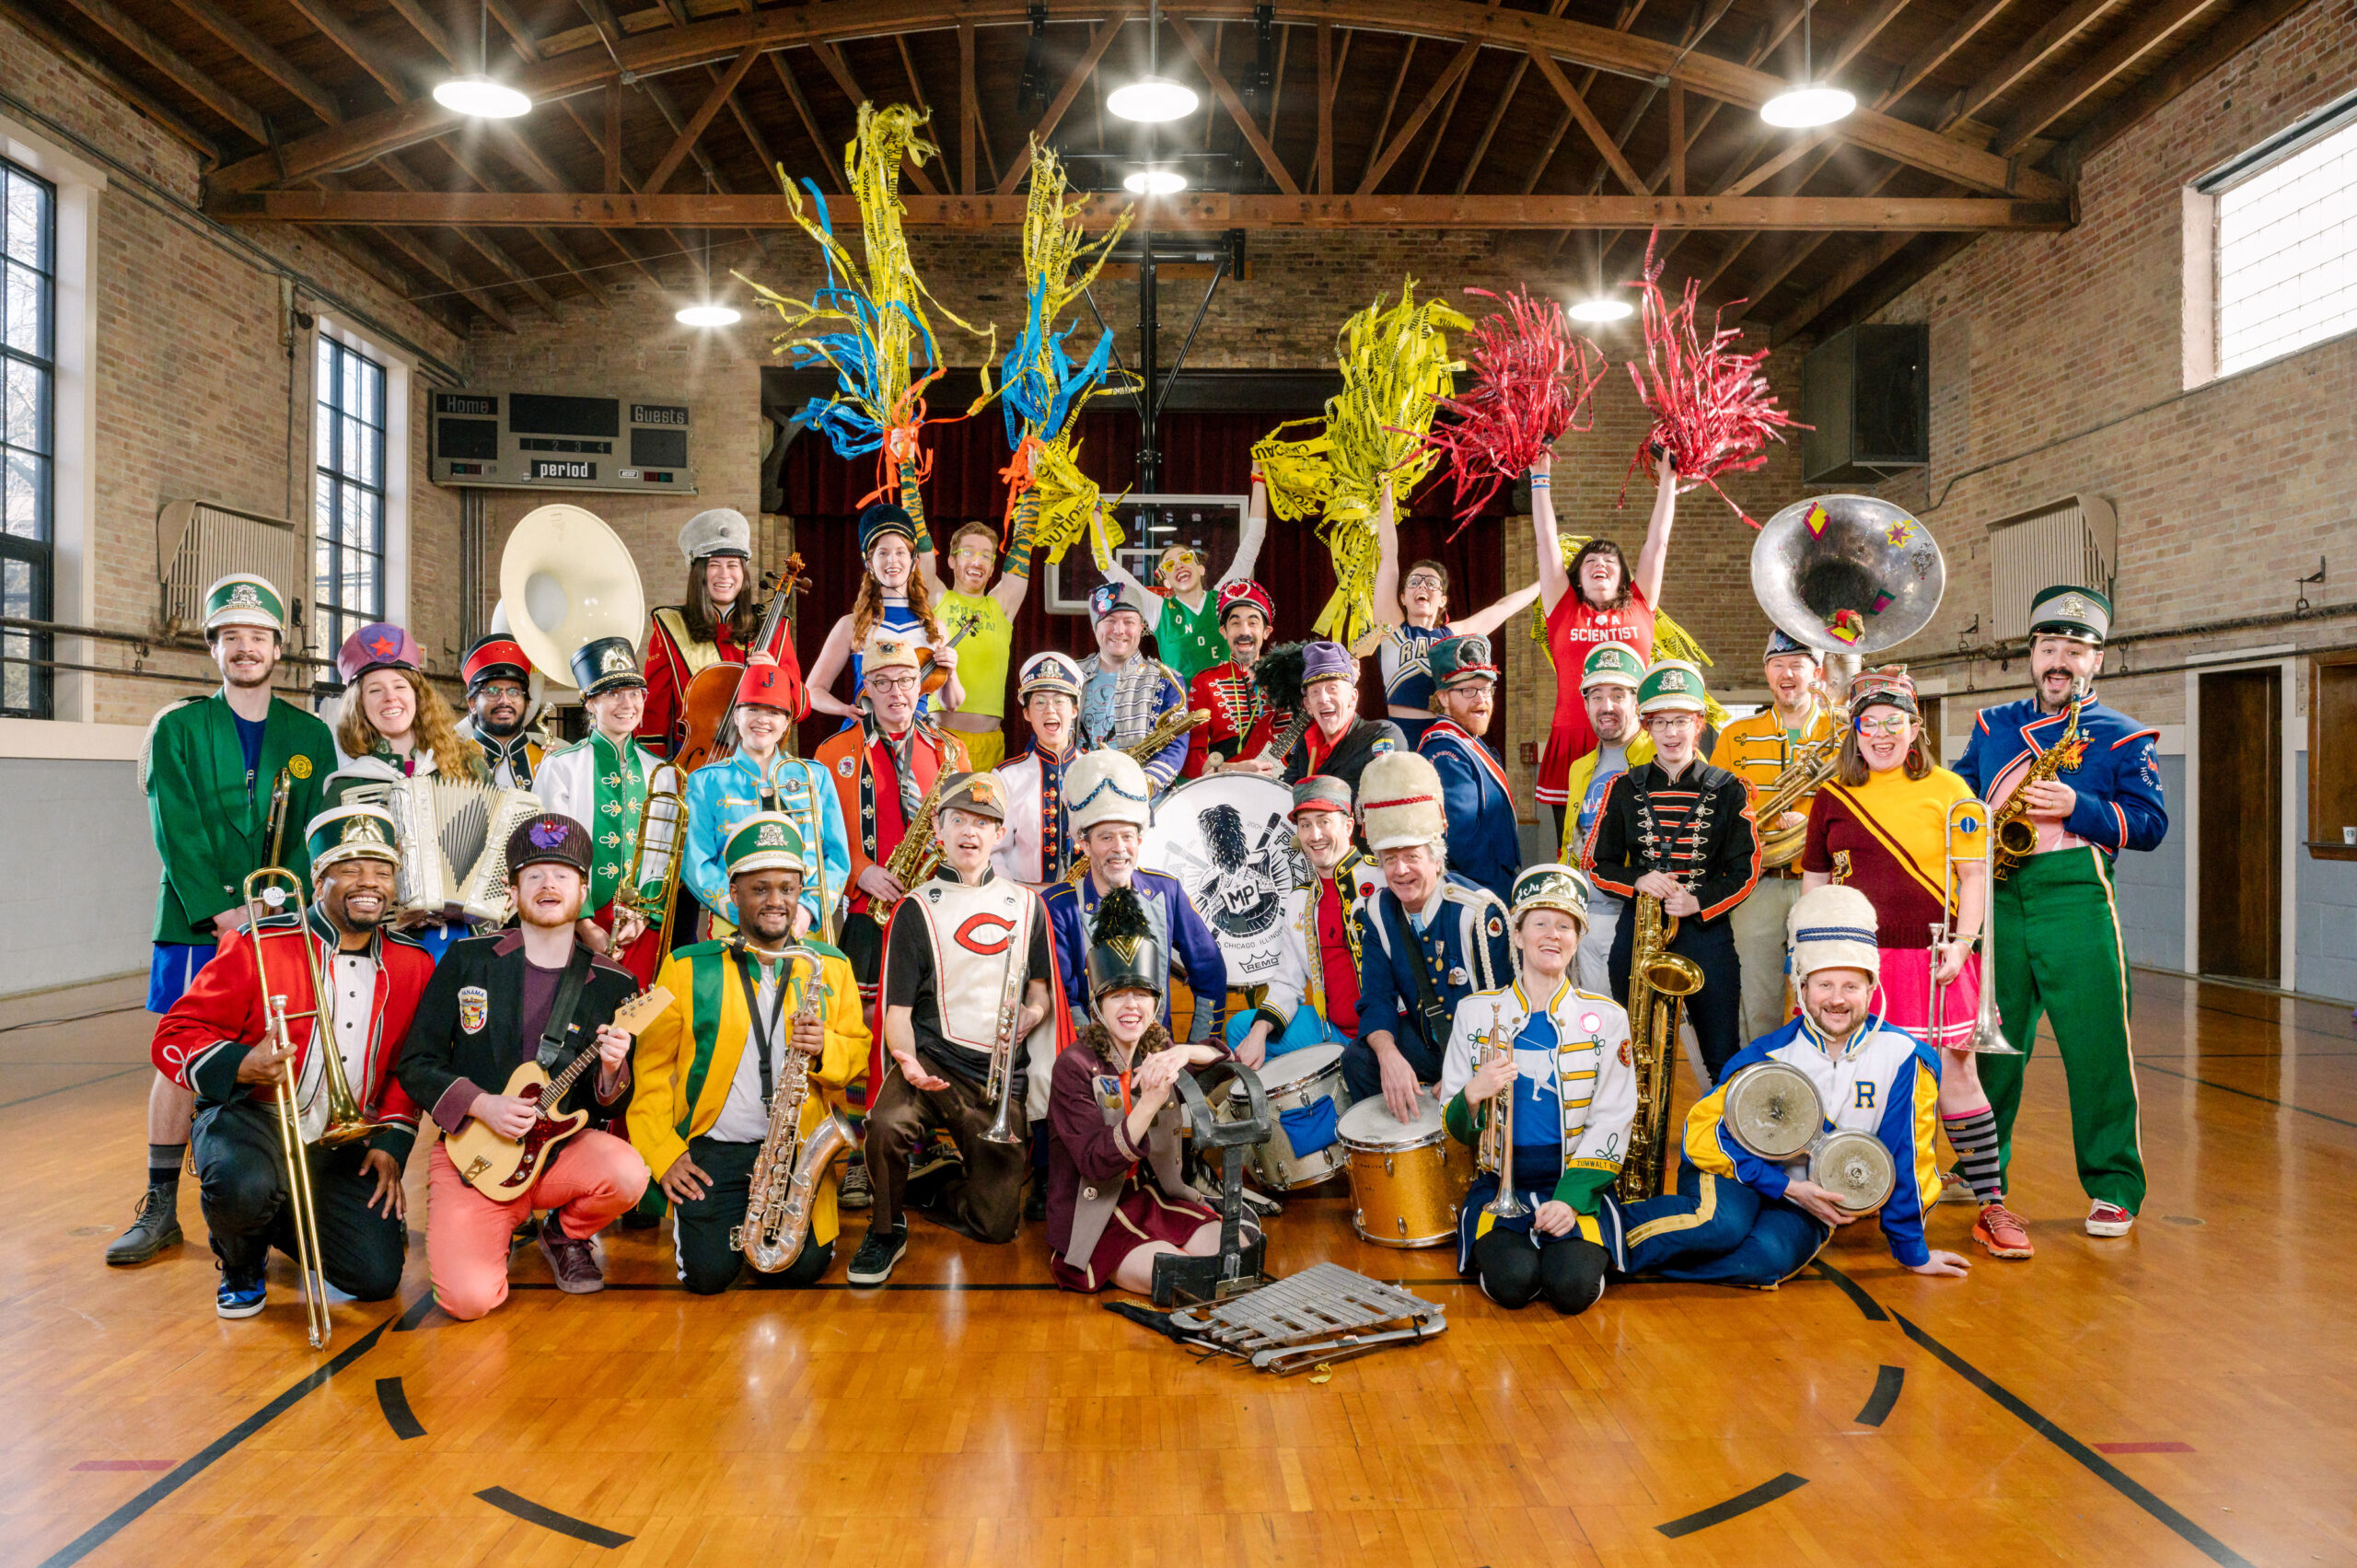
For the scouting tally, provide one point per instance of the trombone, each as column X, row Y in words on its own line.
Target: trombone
column 658, row 848
column 332, row 1120
column 1988, row 1036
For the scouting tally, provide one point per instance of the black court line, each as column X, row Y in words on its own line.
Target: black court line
column 1855, row 1292
column 2249, row 1094
column 1767, row 1491
column 548, row 1518
column 188, row 1469
column 415, row 1313
column 2110, row 1474
column 101, row 1078
column 1887, row 1384
column 394, row 1401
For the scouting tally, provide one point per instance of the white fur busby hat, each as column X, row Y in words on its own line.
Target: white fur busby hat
column 723, row 530
column 1399, row 802
column 1833, row 927
column 1106, row 785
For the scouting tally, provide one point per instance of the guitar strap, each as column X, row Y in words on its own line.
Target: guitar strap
column 561, row 1009
column 761, row 1034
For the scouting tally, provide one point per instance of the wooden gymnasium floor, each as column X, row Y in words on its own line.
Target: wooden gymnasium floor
column 2187, row 1392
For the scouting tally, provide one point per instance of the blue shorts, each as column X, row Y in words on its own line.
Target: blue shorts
column 171, row 969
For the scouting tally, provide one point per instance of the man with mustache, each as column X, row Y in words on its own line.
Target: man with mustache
column 2058, row 952
column 498, row 678
column 1484, row 841
column 1225, row 690
column 210, row 767
column 1738, row 1219
column 1313, row 994
column 534, row 993
column 215, row 1042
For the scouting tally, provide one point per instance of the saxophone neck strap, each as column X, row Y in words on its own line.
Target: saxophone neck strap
column 761, row 1033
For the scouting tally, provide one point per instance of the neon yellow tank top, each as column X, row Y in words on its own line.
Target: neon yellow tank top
column 983, row 653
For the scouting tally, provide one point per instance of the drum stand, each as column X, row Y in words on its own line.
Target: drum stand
column 1235, row 1268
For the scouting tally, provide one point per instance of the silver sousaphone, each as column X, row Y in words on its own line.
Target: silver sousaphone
column 1773, row 1111
column 1851, row 575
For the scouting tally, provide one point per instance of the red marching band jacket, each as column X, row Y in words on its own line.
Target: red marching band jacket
column 201, row 1042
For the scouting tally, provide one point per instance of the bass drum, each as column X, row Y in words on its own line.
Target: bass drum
column 1228, row 839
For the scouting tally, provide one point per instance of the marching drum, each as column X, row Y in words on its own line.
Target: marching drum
column 1307, row 1096
column 1407, row 1181
column 1773, row 1111
column 1228, row 839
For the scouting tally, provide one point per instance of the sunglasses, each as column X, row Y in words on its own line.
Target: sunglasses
column 1896, row 724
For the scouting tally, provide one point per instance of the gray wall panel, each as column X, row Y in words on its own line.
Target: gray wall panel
column 79, row 899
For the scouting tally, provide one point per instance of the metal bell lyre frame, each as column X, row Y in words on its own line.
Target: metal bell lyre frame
column 1988, row 1036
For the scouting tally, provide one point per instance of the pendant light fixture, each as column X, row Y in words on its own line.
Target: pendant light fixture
column 707, row 312
column 1153, row 97
column 1808, row 102
column 1601, row 304
column 1153, row 181
column 478, row 97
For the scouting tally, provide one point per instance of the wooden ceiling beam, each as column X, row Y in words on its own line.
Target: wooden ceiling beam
column 2237, row 30
column 1075, row 79
column 437, row 37
column 469, row 161
column 839, row 69
column 1228, row 99
column 690, row 133
column 87, row 60
column 1606, row 145
column 482, row 244
column 2147, row 31
column 450, row 278
column 250, row 47
column 1191, row 211
column 828, row 22
column 1450, row 75
column 362, row 51
column 1934, row 55
column 2042, row 46
column 1323, row 160
column 169, row 63
column 828, row 158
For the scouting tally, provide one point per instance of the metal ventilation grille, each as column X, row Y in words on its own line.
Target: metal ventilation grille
column 2074, row 541
column 197, row 542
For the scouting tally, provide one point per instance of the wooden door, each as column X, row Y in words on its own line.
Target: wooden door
column 2241, row 758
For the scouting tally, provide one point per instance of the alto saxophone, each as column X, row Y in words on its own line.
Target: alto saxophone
column 788, row 1168
column 2011, row 832
column 919, row 850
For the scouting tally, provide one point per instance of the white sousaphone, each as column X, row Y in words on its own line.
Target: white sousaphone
column 564, row 579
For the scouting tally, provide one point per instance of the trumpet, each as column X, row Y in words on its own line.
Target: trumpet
column 331, row 1116
column 788, row 1168
column 656, row 850
column 1496, row 1153
column 1988, row 1036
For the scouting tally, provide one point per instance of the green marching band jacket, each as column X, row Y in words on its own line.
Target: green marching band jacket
column 211, row 829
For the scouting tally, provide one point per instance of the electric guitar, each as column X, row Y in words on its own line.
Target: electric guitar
column 503, row 1167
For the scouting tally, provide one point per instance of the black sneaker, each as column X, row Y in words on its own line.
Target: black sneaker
column 873, row 1263
column 154, row 1226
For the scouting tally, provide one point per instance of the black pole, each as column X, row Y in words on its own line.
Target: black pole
column 1149, row 326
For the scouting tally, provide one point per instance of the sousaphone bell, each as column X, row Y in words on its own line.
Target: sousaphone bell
column 1849, row 574
column 564, row 579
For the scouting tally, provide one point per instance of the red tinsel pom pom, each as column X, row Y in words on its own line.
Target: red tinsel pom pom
column 1532, row 376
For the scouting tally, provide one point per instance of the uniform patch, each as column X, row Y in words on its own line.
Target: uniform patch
column 1497, row 925
column 299, row 766
column 1379, row 745
column 847, row 766
column 1591, row 1022
column 1458, row 976
column 474, row 1008
column 1625, row 1059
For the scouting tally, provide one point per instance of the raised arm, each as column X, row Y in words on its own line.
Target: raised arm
column 1389, row 611
column 1117, row 572
column 829, row 663
column 1656, row 554
column 1256, row 528
column 1554, row 576
column 1015, row 563
column 1485, row 623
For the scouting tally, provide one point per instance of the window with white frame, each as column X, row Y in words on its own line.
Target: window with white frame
column 348, row 540
column 2287, row 241
column 27, row 436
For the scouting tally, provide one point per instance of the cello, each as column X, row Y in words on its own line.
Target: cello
column 708, row 707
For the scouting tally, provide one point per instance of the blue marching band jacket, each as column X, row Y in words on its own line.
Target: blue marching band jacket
column 2115, row 774
column 1178, row 930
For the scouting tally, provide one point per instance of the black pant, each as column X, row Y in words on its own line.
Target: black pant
column 708, row 1265
column 1716, row 1010
column 242, row 1186
column 1516, row 1267
column 1363, row 1072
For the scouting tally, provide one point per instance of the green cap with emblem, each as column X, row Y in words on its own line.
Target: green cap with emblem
column 2080, row 614
column 767, row 841
column 1673, row 685
column 355, row 832
column 1612, row 664
column 1552, row 887
column 242, row 599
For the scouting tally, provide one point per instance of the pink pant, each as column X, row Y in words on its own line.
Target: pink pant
column 593, row 1178
column 1907, row 997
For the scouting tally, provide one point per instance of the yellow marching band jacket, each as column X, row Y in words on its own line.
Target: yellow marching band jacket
column 687, row 1058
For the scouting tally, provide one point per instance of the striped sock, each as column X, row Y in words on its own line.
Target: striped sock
column 1973, row 1135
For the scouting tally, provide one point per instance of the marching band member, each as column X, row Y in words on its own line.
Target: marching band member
column 895, row 602
column 1428, row 940
column 1107, row 1220
column 1038, row 848
column 1413, row 613
column 716, row 623
column 963, row 947
column 2059, row 953
column 736, row 1012
column 1106, row 795
column 980, row 618
column 1187, row 611
column 1313, row 994
column 1338, row 742
column 1125, row 692
column 1756, row 749
column 1225, row 690
column 216, row 1043
column 496, row 1001
column 499, row 699
column 1680, row 830
column 210, row 767
column 1739, row 1220
column 1594, row 600
column 1575, row 1095
column 760, row 776
column 1882, row 825
column 603, row 782
column 1608, row 690
column 882, row 768
column 1474, row 791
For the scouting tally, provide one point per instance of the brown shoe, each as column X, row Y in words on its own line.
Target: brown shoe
column 574, row 1263
column 2001, row 1233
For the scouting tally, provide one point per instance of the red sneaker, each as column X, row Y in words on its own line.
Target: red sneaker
column 2001, row 1232
column 2109, row 1219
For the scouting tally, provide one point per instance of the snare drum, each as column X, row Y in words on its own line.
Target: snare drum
column 1407, row 1181
column 1307, row 1099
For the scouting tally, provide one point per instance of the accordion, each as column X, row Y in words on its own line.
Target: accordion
column 454, row 844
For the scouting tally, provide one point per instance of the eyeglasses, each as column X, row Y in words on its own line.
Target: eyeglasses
column 1424, row 580
column 974, row 552
column 893, row 682
column 1896, row 724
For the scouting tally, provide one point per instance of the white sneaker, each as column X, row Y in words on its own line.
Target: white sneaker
column 2110, row 1219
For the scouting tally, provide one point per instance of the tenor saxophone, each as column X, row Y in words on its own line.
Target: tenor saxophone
column 2012, row 833
column 1659, row 982
column 786, row 1170
column 919, row 850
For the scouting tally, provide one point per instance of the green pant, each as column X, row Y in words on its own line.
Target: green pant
column 2058, row 954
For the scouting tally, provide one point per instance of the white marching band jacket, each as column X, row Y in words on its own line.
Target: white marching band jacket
column 1590, row 1074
